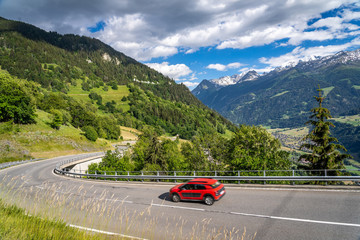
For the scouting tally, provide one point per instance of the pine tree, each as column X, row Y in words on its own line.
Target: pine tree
column 325, row 153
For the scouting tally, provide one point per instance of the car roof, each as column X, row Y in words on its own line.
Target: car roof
column 203, row 180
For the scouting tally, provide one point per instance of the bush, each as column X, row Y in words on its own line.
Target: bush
column 15, row 102
column 57, row 120
column 90, row 133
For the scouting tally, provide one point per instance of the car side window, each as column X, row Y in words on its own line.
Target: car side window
column 200, row 187
column 188, row 187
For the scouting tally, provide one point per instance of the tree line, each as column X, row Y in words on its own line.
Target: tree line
column 251, row 148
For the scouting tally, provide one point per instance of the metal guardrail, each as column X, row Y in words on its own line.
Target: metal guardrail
column 260, row 175
column 78, row 158
column 10, row 164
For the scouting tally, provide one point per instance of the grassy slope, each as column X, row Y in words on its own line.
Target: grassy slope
column 41, row 141
column 111, row 95
column 16, row 224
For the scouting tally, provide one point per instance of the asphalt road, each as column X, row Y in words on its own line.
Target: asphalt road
column 143, row 210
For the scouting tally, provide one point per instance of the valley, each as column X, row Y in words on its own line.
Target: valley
column 281, row 99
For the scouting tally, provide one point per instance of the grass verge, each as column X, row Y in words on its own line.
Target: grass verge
column 16, row 224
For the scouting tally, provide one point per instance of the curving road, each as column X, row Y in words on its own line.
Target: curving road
column 142, row 210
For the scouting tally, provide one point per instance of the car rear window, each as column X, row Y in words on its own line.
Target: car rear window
column 216, row 184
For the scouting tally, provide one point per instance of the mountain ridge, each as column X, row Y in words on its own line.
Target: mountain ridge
column 284, row 97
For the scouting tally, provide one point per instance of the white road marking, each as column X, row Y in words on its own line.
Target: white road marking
column 105, row 232
column 117, row 200
column 171, row 206
column 297, row 219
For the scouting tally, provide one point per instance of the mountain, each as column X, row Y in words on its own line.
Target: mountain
column 283, row 97
column 207, row 87
column 75, row 75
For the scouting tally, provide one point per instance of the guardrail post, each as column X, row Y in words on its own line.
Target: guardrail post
column 194, row 174
column 95, row 174
column 175, row 176
column 105, row 174
column 326, row 177
column 115, row 175
column 215, row 173
column 142, row 174
column 293, row 173
column 157, row 174
column 264, row 176
column 239, row 176
column 128, row 175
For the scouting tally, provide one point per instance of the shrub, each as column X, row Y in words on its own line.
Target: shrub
column 90, row 133
column 15, row 102
column 57, row 120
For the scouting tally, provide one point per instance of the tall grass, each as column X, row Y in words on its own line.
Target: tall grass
column 17, row 224
column 50, row 205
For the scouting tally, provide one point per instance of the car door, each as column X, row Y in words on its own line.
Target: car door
column 187, row 191
column 198, row 191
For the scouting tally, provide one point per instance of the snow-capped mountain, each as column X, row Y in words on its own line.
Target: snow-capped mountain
column 234, row 79
column 206, row 87
column 227, row 80
column 317, row 62
column 284, row 97
column 285, row 93
column 315, row 65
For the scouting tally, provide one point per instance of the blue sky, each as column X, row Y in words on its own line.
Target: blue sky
column 191, row 40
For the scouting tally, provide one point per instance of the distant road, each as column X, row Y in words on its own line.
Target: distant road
column 143, row 210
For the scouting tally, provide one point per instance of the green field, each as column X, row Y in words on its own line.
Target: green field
column 327, row 90
column 111, row 95
column 353, row 120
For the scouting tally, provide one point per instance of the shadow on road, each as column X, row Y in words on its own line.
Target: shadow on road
column 165, row 196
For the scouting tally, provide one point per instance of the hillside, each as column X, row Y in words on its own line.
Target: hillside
column 57, row 61
column 84, row 84
column 283, row 98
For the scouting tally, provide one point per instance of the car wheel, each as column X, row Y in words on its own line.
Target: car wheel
column 175, row 198
column 209, row 200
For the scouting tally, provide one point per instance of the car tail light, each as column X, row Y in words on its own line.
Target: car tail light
column 217, row 193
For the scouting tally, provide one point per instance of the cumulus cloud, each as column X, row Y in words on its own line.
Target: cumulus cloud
column 146, row 29
column 173, row 71
column 222, row 67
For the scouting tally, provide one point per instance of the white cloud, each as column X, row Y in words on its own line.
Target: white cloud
column 173, row 71
column 222, row 67
column 217, row 66
column 193, row 77
column 190, row 84
column 157, row 28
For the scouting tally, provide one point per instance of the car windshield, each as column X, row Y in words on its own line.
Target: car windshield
column 216, row 184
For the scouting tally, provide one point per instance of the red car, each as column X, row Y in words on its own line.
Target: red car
column 198, row 189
